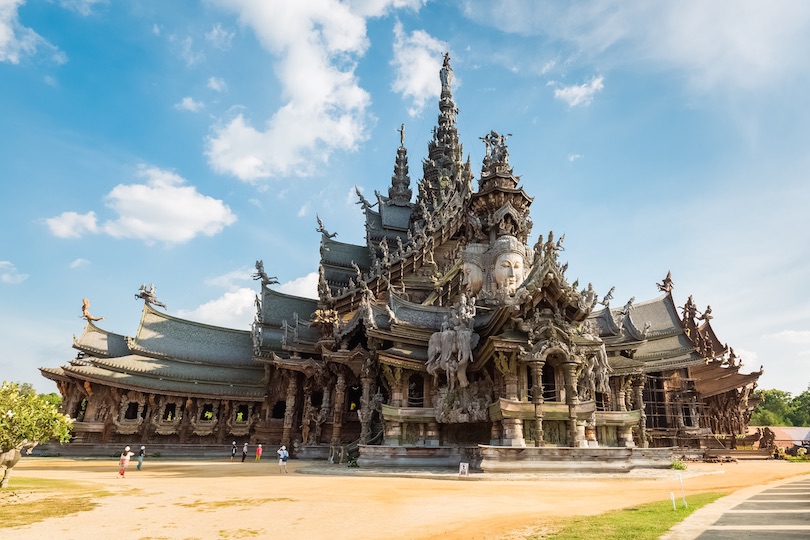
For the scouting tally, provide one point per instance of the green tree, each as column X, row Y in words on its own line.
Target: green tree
column 773, row 410
column 26, row 420
column 800, row 409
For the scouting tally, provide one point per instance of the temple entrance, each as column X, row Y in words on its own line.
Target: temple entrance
column 549, row 378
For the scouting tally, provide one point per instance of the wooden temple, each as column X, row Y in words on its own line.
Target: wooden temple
column 451, row 335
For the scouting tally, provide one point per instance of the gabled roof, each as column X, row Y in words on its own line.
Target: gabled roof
column 342, row 254
column 164, row 336
column 147, row 382
column 100, row 342
column 395, row 216
column 278, row 307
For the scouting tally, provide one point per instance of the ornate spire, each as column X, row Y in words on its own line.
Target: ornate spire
column 400, row 191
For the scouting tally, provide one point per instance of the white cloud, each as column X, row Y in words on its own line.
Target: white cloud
column 163, row 209
column 78, row 263
column 189, row 104
column 797, row 337
column 573, row 157
column 737, row 43
column 316, row 46
column 234, row 309
column 305, row 209
column 306, row 286
column 10, row 275
column 580, row 94
column 417, row 61
column 82, row 7
column 18, row 41
column 72, row 224
column 220, row 37
column 156, row 29
column 217, row 84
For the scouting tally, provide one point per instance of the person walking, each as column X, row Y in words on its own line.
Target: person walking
column 244, row 452
column 141, row 455
column 233, row 450
column 123, row 462
column 283, row 455
column 258, row 453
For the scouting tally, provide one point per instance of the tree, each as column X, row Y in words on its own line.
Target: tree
column 773, row 409
column 26, row 420
column 800, row 409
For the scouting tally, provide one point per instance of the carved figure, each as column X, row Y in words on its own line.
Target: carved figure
column 707, row 315
column 608, row 297
column 321, row 229
column 86, row 311
column 446, row 73
column 667, row 284
column 362, row 200
column 148, row 295
column 509, row 272
column 473, row 278
column 261, row 275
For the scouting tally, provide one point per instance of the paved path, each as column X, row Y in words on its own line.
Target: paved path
column 779, row 511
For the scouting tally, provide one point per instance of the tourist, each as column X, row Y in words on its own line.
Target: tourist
column 283, row 455
column 233, row 450
column 141, row 455
column 244, row 452
column 124, row 462
column 258, row 453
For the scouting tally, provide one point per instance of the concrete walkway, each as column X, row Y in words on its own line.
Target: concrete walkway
column 779, row 511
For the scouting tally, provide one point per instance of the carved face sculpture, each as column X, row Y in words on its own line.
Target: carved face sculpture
column 473, row 278
column 509, row 271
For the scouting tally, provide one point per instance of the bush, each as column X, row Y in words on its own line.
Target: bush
column 678, row 465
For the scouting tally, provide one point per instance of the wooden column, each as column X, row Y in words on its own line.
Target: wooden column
column 337, row 413
column 537, row 399
column 569, row 373
column 289, row 409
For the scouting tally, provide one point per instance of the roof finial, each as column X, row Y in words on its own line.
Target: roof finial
column 402, row 135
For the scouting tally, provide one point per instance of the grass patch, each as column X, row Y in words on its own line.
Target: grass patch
column 238, row 533
column 30, row 500
column 642, row 522
column 233, row 502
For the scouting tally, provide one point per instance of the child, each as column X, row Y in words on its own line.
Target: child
column 124, row 462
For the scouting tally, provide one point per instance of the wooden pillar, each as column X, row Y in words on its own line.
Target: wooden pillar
column 289, row 409
column 337, row 413
column 366, row 411
column 574, row 433
column 537, row 399
column 638, row 388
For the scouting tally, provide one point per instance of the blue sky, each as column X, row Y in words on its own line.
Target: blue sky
column 176, row 143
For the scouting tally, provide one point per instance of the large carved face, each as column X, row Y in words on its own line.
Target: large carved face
column 473, row 278
column 509, row 271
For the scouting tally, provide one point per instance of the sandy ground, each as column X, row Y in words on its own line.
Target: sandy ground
column 222, row 499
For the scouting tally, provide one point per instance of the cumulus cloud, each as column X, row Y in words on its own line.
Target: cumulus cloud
column 739, row 43
column 573, row 157
column 10, row 275
column 189, row 104
column 18, row 41
column 306, row 286
column 234, row 309
column 72, row 224
column 316, row 46
column 417, row 61
column 162, row 209
column 220, row 37
column 217, row 84
column 580, row 94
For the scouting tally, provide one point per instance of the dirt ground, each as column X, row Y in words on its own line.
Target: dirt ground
column 234, row 500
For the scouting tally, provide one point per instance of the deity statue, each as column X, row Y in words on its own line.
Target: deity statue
column 473, row 278
column 446, row 73
column 86, row 311
column 509, row 268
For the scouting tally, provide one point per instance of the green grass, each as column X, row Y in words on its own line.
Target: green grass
column 30, row 500
column 642, row 522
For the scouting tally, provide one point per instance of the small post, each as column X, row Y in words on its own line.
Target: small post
column 672, row 498
column 683, row 493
